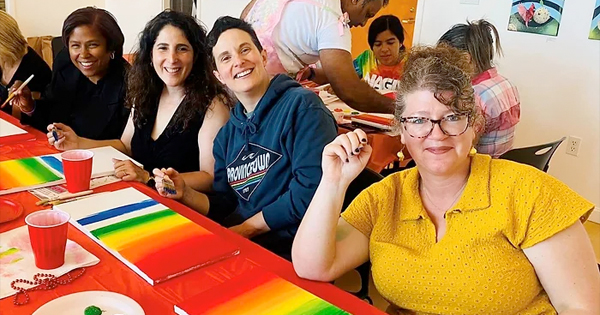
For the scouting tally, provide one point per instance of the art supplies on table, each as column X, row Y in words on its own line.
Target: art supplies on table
column 10, row 133
column 379, row 122
column 154, row 241
column 256, row 291
column 17, row 260
column 43, row 171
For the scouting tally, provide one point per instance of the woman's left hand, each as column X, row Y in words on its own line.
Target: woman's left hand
column 128, row 171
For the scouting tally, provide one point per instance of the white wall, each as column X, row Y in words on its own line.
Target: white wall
column 211, row 10
column 46, row 17
column 558, row 80
column 132, row 16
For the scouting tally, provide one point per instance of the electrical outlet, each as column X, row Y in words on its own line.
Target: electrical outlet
column 573, row 144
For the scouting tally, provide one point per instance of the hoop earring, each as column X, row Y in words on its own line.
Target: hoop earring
column 112, row 55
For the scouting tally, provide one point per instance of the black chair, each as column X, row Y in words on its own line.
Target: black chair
column 360, row 183
column 57, row 46
column 537, row 156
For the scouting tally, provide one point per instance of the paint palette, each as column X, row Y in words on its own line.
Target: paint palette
column 154, row 241
column 9, row 210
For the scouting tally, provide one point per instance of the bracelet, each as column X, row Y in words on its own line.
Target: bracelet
column 29, row 112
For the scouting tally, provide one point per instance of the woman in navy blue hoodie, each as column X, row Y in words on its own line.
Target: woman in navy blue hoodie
column 268, row 155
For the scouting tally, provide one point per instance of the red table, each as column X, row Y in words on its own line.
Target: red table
column 112, row 275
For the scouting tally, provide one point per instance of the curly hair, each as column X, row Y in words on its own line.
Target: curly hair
column 440, row 69
column 144, row 86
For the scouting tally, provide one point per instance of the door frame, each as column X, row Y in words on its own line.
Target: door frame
column 418, row 22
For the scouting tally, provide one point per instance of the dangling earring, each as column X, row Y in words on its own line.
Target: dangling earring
column 400, row 155
column 112, row 55
column 473, row 151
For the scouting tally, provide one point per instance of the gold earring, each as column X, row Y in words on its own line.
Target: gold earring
column 473, row 151
column 400, row 155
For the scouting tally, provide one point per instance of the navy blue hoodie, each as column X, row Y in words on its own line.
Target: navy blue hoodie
column 271, row 162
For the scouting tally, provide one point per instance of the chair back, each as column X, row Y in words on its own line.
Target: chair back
column 365, row 179
column 57, row 45
column 537, row 156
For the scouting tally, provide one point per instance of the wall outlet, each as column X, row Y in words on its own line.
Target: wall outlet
column 573, row 144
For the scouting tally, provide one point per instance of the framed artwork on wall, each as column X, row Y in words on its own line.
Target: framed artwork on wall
column 536, row 16
column 595, row 27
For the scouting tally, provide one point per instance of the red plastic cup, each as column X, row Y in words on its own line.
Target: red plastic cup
column 77, row 167
column 48, row 236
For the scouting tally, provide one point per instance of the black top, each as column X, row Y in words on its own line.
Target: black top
column 174, row 148
column 31, row 63
column 94, row 111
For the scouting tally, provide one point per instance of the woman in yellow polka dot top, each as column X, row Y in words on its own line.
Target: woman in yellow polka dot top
column 460, row 233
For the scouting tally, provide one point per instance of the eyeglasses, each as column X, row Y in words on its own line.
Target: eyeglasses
column 422, row 127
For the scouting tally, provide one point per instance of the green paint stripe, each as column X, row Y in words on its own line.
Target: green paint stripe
column 133, row 222
column 317, row 306
column 38, row 169
column 8, row 252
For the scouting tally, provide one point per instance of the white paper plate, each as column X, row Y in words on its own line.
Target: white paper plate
column 74, row 304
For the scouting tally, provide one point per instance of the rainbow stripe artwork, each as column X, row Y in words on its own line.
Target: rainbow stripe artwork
column 24, row 173
column 153, row 240
column 257, row 292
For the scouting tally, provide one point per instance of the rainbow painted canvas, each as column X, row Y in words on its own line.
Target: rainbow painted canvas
column 153, row 240
column 257, row 292
column 42, row 171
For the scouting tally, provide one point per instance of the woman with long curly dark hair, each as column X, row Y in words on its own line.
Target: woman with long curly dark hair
column 178, row 106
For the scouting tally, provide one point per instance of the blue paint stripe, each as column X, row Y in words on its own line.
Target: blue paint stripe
column 115, row 212
column 53, row 162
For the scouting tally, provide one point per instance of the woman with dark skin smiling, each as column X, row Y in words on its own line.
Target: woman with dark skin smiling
column 87, row 90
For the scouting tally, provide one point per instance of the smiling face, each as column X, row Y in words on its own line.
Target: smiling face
column 437, row 153
column 359, row 13
column 88, row 52
column 172, row 56
column 387, row 48
column 240, row 65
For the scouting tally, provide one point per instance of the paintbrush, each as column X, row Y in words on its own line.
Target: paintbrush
column 44, row 202
column 17, row 91
column 169, row 186
column 57, row 202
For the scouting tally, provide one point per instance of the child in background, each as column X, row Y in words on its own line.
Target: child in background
column 381, row 67
column 497, row 98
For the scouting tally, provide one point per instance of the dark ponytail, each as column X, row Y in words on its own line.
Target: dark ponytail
column 477, row 38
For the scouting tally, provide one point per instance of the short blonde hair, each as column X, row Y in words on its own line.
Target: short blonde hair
column 13, row 45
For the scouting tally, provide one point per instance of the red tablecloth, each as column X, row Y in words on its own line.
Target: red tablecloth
column 112, row 275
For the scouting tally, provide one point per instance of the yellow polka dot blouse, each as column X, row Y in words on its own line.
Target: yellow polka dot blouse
column 479, row 266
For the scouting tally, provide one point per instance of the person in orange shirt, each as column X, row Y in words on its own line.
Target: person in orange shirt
column 460, row 233
column 381, row 66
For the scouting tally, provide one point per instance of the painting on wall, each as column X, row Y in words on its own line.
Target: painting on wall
column 595, row 28
column 536, row 16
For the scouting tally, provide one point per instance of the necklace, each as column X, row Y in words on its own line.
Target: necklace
column 458, row 193
column 41, row 281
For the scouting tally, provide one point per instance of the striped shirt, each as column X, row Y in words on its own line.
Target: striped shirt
column 499, row 102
